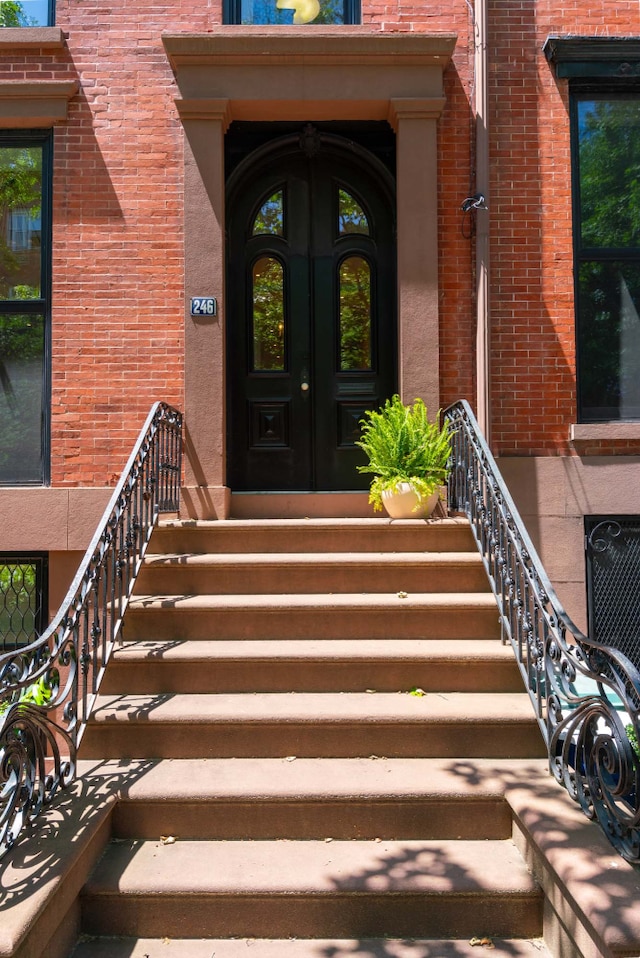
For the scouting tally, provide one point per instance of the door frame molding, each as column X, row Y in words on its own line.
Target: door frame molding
column 274, row 73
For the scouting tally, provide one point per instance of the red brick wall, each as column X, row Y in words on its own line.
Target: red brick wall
column 118, row 268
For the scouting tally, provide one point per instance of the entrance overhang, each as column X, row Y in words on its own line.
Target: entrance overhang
column 302, row 74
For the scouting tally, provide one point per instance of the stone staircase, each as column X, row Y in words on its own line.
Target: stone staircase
column 313, row 723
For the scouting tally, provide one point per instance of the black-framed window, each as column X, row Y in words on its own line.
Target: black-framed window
column 605, row 123
column 287, row 12
column 25, row 306
column 26, row 13
column 612, row 546
column 24, row 604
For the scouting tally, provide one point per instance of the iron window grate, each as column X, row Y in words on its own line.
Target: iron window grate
column 23, row 598
column 613, row 582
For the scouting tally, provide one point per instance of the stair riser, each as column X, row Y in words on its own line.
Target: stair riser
column 239, row 820
column 317, row 579
column 268, row 676
column 444, row 623
column 396, row 537
column 228, row 740
column 336, row 915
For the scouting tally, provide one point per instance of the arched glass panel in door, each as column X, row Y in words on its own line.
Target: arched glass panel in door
column 352, row 219
column 354, row 321
column 268, row 315
column 269, row 220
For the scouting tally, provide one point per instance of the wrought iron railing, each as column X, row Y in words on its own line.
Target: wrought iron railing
column 47, row 688
column 586, row 695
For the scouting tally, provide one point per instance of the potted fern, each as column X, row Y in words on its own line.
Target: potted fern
column 408, row 457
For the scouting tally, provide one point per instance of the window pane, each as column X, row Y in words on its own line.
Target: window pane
column 20, row 222
column 268, row 314
column 355, row 314
column 21, row 398
column 270, row 217
column 609, row 157
column 609, row 340
column 292, row 11
column 24, row 13
column 351, row 216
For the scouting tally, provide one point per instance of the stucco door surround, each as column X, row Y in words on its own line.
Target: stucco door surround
column 301, row 74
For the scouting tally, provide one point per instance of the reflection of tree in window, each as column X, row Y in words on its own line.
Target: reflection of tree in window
column 609, row 132
column 28, row 13
column 20, row 212
column 355, row 314
column 270, row 217
column 268, row 314
column 351, row 216
column 608, row 267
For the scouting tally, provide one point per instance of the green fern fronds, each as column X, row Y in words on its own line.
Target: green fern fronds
column 402, row 445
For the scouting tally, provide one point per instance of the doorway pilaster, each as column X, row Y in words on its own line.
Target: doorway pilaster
column 414, row 121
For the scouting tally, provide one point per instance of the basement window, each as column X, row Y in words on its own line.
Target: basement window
column 613, row 582
column 23, row 598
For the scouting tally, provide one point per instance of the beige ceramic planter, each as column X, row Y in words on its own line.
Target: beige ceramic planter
column 403, row 502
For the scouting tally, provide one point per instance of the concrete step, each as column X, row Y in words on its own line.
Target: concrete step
column 312, row 535
column 313, row 665
column 324, row 889
column 353, row 798
column 311, row 948
column 332, row 572
column 372, row 616
column 456, row 724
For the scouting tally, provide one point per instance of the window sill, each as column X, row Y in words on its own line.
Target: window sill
column 30, row 38
column 607, row 431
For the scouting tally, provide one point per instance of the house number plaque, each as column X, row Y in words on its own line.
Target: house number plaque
column 204, row 306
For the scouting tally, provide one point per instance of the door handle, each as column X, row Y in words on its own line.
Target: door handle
column 304, row 387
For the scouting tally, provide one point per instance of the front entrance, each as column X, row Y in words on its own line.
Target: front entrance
column 311, row 330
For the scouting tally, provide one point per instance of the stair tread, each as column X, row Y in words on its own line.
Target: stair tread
column 322, row 779
column 312, row 868
column 320, row 602
column 307, row 948
column 316, row 707
column 463, row 650
column 275, row 525
column 313, row 559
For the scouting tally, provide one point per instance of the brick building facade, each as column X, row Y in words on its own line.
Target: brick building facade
column 146, row 109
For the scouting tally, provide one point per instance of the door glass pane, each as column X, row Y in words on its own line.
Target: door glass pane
column 21, row 397
column 270, row 217
column 292, row 11
column 355, row 314
column 351, row 216
column 20, row 222
column 268, row 314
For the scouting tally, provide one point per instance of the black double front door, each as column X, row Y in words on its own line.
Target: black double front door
column 311, row 333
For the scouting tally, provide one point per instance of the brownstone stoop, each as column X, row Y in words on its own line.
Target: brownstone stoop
column 312, row 743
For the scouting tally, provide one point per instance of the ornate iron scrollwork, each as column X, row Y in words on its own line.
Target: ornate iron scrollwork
column 39, row 742
column 585, row 694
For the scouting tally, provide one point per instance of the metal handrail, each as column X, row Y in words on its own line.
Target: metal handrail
column 48, row 688
column 585, row 694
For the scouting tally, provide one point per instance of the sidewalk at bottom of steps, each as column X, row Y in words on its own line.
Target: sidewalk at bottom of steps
column 309, row 948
